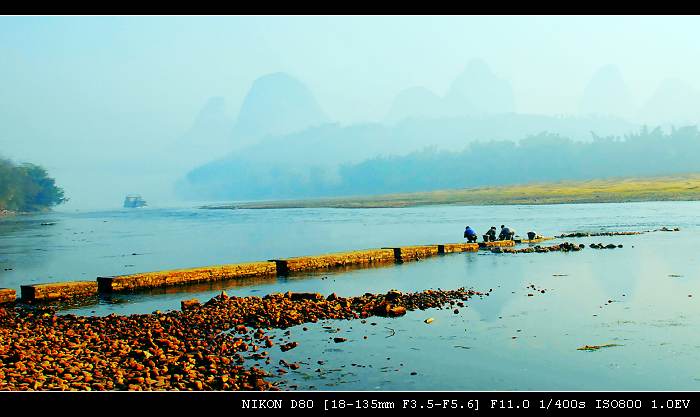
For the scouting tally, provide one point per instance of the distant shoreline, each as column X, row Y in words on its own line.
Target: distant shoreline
column 620, row 190
column 7, row 213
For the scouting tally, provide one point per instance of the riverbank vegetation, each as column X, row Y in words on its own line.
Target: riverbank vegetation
column 483, row 162
column 27, row 188
column 673, row 188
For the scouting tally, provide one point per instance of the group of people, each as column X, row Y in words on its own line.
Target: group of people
column 506, row 233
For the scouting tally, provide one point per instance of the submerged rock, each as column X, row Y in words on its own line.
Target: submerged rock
column 597, row 347
column 586, row 234
column 601, row 246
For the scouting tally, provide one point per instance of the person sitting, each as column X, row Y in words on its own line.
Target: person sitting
column 531, row 235
column 490, row 236
column 470, row 235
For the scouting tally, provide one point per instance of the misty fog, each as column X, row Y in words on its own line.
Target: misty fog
column 184, row 109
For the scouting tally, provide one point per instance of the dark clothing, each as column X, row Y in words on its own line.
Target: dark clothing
column 531, row 235
column 490, row 236
column 506, row 234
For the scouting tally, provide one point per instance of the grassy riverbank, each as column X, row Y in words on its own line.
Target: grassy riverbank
column 676, row 188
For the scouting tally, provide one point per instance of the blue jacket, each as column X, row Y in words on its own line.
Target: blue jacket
column 469, row 232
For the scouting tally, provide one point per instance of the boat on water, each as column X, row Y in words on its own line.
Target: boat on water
column 134, row 201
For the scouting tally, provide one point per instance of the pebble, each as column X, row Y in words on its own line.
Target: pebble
column 203, row 347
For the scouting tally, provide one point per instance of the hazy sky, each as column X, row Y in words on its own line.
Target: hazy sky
column 78, row 92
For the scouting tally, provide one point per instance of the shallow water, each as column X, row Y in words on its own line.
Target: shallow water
column 644, row 297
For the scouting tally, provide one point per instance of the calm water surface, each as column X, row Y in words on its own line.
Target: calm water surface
column 644, row 297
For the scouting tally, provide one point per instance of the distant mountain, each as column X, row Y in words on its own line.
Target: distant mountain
column 478, row 91
column 310, row 162
column 543, row 157
column 416, row 102
column 276, row 104
column 212, row 117
column 286, row 147
column 674, row 102
column 208, row 138
column 606, row 94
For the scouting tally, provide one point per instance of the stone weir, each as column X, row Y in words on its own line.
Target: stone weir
column 496, row 244
column 413, row 253
column 184, row 276
column 458, row 247
column 55, row 291
column 7, row 295
column 172, row 278
column 334, row 260
column 533, row 241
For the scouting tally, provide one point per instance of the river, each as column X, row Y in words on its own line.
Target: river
column 643, row 298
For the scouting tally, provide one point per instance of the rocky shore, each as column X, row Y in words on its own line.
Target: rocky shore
column 562, row 247
column 201, row 347
column 5, row 213
column 601, row 246
column 594, row 234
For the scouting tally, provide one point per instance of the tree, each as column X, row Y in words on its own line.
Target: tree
column 27, row 187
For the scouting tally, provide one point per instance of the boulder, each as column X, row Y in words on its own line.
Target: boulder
column 393, row 295
column 188, row 304
column 296, row 296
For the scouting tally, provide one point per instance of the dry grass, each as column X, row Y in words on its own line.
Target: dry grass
column 676, row 188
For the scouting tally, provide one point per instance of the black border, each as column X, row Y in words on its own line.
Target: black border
column 324, row 402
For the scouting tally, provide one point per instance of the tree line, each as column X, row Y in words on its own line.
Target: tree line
column 544, row 157
column 540, row 158
column 27, row 187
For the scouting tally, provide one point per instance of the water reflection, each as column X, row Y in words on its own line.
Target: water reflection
column 644, row 297
column 87, row 245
